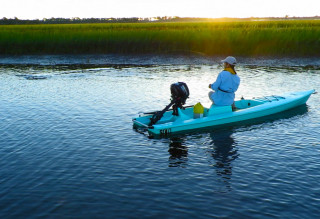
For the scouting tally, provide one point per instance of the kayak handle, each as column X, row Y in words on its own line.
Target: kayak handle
column 140, row 123
column 154, row 112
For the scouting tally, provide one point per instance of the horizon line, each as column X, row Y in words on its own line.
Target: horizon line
column 160, row 17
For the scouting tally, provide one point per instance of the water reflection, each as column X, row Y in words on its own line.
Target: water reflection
column 223, row 150
column 178, row 153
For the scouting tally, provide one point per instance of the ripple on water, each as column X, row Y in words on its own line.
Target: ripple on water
column 68, row 146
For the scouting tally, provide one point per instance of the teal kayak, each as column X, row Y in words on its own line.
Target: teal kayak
column 246, row 109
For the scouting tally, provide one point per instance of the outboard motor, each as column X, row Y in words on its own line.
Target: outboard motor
column 179, row 95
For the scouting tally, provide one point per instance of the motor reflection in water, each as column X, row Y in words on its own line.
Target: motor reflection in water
column 178, row 153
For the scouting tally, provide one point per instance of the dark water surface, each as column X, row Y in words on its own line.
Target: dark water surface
column 68, row 149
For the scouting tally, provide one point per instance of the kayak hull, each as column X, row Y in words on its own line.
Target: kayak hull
column 221, row 116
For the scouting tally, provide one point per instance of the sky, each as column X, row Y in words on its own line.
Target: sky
column 39, row 9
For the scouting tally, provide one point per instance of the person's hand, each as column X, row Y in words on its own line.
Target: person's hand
column 209, row 85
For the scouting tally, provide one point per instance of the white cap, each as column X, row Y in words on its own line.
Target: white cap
column 231, row 60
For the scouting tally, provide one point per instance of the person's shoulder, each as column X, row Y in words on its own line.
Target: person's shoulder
column 224, row 72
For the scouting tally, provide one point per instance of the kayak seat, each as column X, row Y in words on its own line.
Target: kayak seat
column 215, row 110
column 244, row 104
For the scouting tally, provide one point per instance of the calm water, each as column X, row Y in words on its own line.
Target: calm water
column 68, row 149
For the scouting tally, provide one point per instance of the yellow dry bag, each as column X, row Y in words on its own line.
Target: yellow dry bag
column 198, row 111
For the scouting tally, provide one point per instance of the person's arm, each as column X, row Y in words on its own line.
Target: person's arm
column 216, row 84
column 236, row 85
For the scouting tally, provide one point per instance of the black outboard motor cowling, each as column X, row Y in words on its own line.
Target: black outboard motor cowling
column 179, row 95
column 179, row 92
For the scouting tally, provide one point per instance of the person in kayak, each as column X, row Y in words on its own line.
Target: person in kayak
column 226, row 84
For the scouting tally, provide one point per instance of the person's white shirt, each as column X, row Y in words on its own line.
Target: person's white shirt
column 225, row 87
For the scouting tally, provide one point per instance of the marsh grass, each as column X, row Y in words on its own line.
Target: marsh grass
column 277, row 38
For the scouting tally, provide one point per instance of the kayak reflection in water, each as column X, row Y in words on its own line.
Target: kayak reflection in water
column 226, row 84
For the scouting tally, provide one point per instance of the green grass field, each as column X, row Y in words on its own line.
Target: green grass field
column 251, row 38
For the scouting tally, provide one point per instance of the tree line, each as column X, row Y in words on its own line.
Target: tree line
column 10, row 21
column 14, row 21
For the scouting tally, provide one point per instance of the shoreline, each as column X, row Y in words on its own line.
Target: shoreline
column 151, row 59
